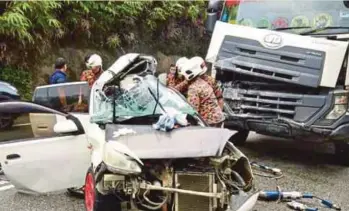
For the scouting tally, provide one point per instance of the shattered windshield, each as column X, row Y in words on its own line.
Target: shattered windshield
column 299, row 16
column 140, row 100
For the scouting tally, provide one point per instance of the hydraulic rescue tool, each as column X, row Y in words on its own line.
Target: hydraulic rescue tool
column 283, row 195
column 299, row 206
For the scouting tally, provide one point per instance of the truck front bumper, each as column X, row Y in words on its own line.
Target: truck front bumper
column 288, row 128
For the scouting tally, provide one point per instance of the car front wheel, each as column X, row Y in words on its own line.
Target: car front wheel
column 95, row 201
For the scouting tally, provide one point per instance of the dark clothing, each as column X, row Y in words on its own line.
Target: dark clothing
column 58, row 77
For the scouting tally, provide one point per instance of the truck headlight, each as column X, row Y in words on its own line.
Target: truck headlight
column 339, row 108
column 120, row 163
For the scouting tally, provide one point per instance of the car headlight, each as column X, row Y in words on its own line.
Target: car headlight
column 120, row 163
column 339, row 108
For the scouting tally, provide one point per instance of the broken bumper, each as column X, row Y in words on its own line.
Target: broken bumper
column 283, row 114
column 245, row 202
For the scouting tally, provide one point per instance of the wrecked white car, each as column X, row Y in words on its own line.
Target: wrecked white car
column 127, row 161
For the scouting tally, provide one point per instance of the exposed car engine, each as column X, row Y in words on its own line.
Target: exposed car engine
column 181, row 184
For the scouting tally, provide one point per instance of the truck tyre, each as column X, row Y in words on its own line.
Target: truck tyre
column 95, row 201
column 342, row 152
column 240, row 138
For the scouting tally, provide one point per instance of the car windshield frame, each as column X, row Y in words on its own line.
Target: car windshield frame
column 139, row 101
column 332, row 17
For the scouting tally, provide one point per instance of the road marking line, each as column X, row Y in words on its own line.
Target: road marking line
column 7, row 187
column 20, row 125
column 3, row 182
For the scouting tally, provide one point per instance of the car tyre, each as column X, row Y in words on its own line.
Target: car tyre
column 95, row 201
column 342, row 152
column 240, row 138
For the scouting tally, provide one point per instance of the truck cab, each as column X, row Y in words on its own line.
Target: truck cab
column 283, row 68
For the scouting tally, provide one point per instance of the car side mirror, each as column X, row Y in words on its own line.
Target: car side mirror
column 65, row 126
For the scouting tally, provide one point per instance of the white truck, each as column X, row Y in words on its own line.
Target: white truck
column 283, row 68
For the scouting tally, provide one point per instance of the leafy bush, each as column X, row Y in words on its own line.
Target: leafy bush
column 103, row 22
column 30, row 29
column 19, row 78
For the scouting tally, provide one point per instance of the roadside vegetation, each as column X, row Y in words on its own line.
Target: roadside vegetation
column 31, row 29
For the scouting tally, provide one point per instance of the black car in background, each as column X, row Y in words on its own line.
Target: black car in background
column 7, row 92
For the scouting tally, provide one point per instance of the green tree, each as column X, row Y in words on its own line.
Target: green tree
column 29, row 29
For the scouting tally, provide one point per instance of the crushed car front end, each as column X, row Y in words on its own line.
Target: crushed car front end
column 192, row 167
column 175, row 172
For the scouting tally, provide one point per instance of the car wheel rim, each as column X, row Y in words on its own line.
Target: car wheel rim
column 89, row 192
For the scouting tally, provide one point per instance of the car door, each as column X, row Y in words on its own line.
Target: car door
column 70, row 97
column 46, row 163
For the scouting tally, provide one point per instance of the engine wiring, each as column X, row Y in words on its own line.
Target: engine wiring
column 153, row 205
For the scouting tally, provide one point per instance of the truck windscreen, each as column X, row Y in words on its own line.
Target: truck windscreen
column 297, row 16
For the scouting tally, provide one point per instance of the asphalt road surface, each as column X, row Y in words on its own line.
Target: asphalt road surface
column 306, row 167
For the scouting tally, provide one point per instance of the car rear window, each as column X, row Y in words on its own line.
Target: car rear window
column 70, row 97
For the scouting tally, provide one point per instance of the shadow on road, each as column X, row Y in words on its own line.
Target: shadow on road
column 290, row 150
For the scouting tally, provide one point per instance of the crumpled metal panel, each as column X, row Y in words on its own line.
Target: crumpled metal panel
column 187, row 142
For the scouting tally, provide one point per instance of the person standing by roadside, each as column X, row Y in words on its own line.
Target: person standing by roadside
column 60, row 74
column 201, row 95
column 94, row 65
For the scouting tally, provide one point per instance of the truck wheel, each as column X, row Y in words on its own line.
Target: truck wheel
column 95, row 201
column 342, row 152
column 239, row 138
column 6, row 121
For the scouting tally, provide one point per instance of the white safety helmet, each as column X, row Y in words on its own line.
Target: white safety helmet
column 202, row 63
column 94, row 61
column 193, row 67
column 180, row 62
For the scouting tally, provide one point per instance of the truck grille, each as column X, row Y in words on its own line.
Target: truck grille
column 262, row 103
column 197, row 182
column 288, row 64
